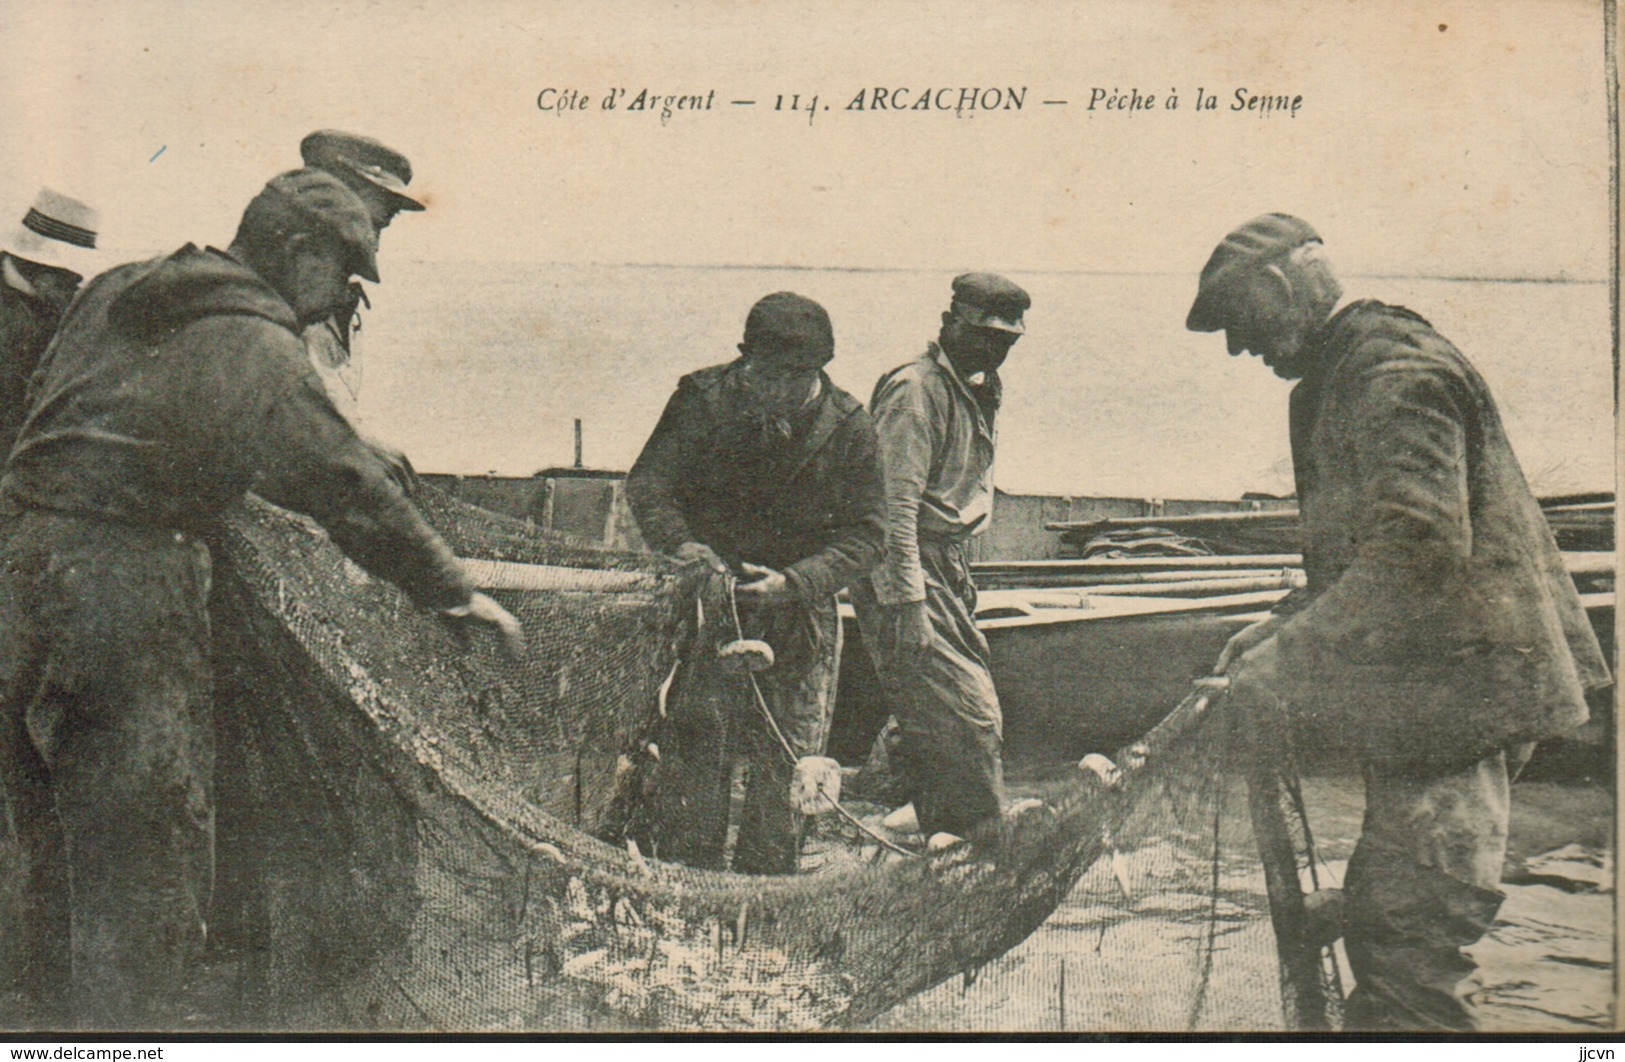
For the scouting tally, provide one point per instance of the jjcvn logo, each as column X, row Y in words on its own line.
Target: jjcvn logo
column 1592, row 1054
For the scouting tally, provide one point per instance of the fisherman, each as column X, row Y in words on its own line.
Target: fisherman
column 172, row 385
column 937, row 419
column 765, row 469
column 1439, row 632
column 379, row 176
column 42, row 262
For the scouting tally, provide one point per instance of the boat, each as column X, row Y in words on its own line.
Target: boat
column 408, row 826
column 1087, row 653
column 1078, row 674
column 1579, row 523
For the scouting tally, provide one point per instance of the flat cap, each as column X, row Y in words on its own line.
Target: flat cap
column 351, row 156
column 790, row 326
column 314, row 201
column 987, row 300
column 1258, row 241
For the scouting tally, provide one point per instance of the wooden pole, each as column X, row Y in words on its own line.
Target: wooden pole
column 511, row 575
column 1063, row 993
column 1141, row 564
column 1303, row 999
column 988, row 580
column 1578, row 562
column 1202, row 587
column 1173, row 523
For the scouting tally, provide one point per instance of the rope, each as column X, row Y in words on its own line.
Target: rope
column 849, row 817
column 784, row 742
column 1209, row 944
column 761, row 702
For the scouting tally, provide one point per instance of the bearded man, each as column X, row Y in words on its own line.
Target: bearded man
column 1439, row 632
column 378, row 176
column 763, row 468
column 172, row 387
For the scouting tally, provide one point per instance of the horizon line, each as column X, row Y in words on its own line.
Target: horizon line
column 1559, row 278
column 116, row 254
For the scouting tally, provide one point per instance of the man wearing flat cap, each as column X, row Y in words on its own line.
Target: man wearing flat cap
column 42, row 262
column 1439, row 632
column 763, row 468
column 378, row 175
column 173, row 385
column 937, row 418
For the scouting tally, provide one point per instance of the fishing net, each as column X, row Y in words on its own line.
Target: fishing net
column 1173, row 927
column 415, row 833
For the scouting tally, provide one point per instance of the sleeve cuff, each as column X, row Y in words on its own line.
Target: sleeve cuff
column 898, row 590
column 800, row 584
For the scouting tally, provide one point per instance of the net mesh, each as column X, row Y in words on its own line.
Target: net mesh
column 409, row 835
column 1172, row 928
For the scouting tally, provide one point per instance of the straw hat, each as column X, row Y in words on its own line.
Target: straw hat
column 58, row 231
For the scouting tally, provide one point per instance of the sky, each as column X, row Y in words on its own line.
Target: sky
column 1423, row 139
column 1433, row 139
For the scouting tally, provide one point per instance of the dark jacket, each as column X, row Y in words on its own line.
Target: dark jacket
column 27, row 323
column 1438, row 614
column 811, row 508
column 175, row 385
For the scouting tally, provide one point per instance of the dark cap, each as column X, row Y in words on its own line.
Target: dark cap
column 1262, row 239
column 990, row 301
column 351, row 157
column 789, row 326
column 317, row 202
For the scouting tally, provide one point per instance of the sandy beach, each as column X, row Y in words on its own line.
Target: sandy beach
column 1105, row 963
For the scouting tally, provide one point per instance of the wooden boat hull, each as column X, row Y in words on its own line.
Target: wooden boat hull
column 1073, row 681
column 1070, row 682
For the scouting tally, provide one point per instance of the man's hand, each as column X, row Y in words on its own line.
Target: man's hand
column 909, row 626
column 483, row 612
column 767, row 587
column 691, row 553
column 1244, row 641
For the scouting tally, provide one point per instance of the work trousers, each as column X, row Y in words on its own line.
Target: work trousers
column 950, row 727
column 1421, row 886
column 714, row 725
column 106, row 757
